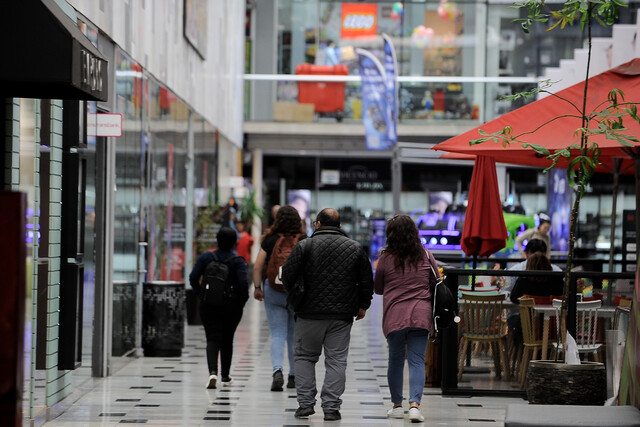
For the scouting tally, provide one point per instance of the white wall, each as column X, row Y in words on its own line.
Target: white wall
column 151, row 32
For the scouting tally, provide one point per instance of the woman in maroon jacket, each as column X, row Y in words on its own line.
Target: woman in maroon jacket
column 405, row 279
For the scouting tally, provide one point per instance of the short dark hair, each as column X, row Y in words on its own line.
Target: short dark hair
column 329, row 217
column 536, row 245
column 226, row 237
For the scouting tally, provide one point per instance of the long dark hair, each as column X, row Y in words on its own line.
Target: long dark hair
column 287, row 222
column 538, row 262
column 403, row 242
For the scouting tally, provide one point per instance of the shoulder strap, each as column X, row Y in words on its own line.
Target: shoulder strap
column 307, row 250
column 429, row 258
column 215, row 255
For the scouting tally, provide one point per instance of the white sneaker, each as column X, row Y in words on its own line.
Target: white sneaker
column 415, row 416
column 395, row 412
column 228, row 382
column 213, row 379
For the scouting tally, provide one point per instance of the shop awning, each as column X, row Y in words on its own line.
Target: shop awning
column 45, row 55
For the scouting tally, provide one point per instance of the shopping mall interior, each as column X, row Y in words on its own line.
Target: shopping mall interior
column 133, row 130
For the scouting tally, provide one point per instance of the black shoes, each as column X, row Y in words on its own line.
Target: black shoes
column 291, row 382
column 305, row 412
column 278, row 381
column 332, row 416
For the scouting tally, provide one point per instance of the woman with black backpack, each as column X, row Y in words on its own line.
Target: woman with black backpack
column 220, row 306
column 404, row 278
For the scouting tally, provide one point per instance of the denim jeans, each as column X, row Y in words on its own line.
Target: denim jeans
column 281, row 325
column 412, row 343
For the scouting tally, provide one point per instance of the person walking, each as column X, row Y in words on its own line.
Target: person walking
column 279, row 316
column 220, row 322
column 405, row 277
column 338, row 286
column 541, row 232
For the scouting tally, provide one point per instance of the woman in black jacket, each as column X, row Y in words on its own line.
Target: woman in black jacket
column 220, row 322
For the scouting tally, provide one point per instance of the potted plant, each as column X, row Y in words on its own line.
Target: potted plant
column 581, row 160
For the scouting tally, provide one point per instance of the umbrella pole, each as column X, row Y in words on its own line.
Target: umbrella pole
column 473, row 275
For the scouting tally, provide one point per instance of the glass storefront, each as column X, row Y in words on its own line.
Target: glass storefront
column 446, row 39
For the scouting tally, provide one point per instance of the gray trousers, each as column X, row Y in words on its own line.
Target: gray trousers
column 310, row 337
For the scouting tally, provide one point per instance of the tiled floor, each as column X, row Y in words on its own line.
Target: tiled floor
column 171, row 391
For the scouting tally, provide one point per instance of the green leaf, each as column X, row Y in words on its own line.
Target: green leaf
column 479, row 141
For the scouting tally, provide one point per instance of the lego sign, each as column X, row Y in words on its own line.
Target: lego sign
column 359, row 20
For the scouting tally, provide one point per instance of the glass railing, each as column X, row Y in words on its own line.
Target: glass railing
column 421, row 100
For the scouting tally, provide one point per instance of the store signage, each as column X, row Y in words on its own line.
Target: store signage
column 330, row 176
column 359, row 20
column 104, row 124
column 91, row 71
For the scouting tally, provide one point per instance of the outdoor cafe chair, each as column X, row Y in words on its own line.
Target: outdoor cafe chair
column 482, row 323
column 586, row 327
column 530, row 335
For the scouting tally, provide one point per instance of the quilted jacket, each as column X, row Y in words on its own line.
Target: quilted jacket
column 336, row 275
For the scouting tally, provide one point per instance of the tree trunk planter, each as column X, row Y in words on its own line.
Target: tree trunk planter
column 557, row 383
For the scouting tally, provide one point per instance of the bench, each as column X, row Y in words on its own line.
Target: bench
column 523, row 415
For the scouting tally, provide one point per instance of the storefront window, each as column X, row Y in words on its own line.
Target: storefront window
column 130, row 167
column 169, row 118
column 204, row 198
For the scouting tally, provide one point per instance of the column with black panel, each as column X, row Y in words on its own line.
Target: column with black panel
column 72, row 239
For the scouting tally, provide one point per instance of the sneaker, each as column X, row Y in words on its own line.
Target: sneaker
column 415, row 416
column 227, row 381
column 213, row 379
column 396, row 412
column 291, row 381
column 302, row 412
column 332, row 416
column 278, row 381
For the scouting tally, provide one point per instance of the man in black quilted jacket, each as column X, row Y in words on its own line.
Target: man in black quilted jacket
column 338, row 287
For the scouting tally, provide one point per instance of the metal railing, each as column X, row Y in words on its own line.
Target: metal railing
column 422, row 100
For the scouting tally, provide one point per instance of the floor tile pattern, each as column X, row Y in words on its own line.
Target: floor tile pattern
column 171, row 391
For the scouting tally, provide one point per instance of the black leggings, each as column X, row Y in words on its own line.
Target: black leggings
column 220, row 325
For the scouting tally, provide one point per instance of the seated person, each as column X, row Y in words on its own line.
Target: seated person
column 534, row 246
column 538, row 285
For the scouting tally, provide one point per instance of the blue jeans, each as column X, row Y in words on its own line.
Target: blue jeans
column 412, row 343
column 281, row 325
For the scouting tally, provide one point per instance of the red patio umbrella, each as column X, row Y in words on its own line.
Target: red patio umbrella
column 484, row 231
column 561, row 132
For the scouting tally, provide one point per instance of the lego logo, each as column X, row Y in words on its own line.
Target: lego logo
column 359, row 22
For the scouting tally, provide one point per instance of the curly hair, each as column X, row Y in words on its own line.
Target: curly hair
column 287, row 222
column 403, row 242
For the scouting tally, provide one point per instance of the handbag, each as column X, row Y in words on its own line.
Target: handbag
column 444, row 304
column 296, row 296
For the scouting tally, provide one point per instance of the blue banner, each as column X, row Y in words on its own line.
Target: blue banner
column 390, row 68
column 375, row 113
column 559, row 209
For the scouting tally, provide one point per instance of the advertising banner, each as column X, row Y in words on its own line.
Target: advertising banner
column 559, row 209
column 375, row 112
column 390, row 68
column 359, row 20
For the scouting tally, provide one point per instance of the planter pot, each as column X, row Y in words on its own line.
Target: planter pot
column 557, row 383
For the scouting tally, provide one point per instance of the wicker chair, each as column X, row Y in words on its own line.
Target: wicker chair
column 482, row 323
column 530, row 335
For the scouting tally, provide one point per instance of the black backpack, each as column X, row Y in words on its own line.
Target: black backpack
column 216, row 286
column 444, row 304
